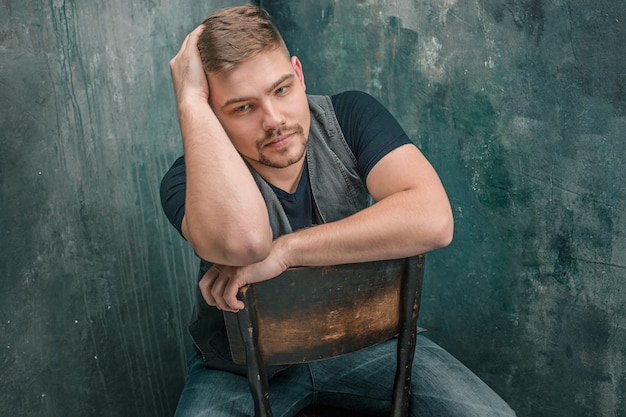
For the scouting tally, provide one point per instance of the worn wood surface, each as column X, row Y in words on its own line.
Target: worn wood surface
column 304, row 309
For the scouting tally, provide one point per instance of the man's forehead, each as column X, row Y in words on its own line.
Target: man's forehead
column 252, row 78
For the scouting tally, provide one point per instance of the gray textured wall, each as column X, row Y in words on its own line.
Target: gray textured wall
column 520, row 104
column 94, row 287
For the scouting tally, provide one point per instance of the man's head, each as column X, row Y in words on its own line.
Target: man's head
column 256, row 89
column 234, row 35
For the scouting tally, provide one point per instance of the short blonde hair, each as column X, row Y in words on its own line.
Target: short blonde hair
column 235, row 34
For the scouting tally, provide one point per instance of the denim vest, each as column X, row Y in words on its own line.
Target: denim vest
column 338, row 192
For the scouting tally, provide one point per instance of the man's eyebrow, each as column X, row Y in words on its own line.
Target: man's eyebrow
column 278, row 82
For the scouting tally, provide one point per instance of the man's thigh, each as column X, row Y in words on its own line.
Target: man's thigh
column 209, row 392
column 441, row 385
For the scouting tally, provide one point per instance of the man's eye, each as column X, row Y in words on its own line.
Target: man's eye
column 282, row 90
column 242, row 108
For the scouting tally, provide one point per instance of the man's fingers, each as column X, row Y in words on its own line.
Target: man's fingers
column 196, row 32
column 230, row 296
column 192, row 37
column 223, row 279
column 217, row 291
column 219, row 287
column 186, row 69
column 206, row 283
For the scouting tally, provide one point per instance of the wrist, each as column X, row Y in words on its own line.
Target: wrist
column 192, row 103
column 196, row 117
column 285, row 247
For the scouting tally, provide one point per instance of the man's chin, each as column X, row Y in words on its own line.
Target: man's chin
column 280, row 163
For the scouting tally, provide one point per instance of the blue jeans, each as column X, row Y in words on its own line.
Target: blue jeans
column 360, row 381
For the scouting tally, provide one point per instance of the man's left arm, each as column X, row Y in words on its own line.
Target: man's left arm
column 411, row 215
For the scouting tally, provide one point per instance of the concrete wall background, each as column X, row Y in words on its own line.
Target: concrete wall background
column 95, row 285
column 520, row 105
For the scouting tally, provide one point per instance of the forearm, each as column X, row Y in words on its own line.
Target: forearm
column 226, row 220
column 398, row 226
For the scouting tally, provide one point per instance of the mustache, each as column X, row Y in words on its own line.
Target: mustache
column 272, row 135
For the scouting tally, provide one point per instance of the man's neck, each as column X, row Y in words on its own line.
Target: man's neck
column 284, row 178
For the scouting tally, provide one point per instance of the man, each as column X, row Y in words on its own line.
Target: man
column 273, row 178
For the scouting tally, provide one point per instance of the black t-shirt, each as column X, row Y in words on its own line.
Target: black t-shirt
column 369, row 129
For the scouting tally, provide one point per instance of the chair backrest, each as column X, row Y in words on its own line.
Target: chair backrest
column 314, row 313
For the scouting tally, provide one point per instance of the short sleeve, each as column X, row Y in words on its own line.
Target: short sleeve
column 173, row 189
column 369, row 129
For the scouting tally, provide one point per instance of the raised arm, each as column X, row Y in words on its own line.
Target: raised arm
column 226, row 220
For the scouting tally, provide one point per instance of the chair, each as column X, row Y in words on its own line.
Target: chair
column 313, row 313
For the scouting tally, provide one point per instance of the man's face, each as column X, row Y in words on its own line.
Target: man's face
column 263, row 108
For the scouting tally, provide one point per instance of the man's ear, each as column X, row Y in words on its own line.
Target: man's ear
column 297, row 66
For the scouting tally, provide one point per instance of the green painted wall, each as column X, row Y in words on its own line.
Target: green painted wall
column 94, row 285
column 520, row 105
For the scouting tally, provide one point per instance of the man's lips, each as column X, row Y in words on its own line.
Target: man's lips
column 280, row 141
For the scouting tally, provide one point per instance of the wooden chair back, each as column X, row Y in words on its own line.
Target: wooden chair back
column 314, row 313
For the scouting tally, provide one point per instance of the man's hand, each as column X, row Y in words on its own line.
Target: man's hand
column 220, row 285
column 187, row 73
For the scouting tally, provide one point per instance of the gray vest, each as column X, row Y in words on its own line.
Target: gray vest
column 338, row 192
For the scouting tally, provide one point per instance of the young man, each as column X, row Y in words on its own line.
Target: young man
column 273, row 178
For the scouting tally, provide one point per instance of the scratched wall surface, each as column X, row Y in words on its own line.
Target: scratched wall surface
column 95, row 285
column 521, row 106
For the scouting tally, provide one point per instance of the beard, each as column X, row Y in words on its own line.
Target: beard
column 282, row 160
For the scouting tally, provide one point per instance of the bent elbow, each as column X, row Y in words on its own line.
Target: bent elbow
column 443, row 232
column 234, row 249
column 446, row 235
column 252, row 249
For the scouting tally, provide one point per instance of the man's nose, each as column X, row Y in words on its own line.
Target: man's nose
column 273, row 117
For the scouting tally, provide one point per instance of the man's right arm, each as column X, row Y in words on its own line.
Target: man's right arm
column 226, row 219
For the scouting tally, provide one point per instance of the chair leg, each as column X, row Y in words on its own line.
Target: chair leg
column 409, row 310
column 402, row 384
column 257, row 375
column 257, row 379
